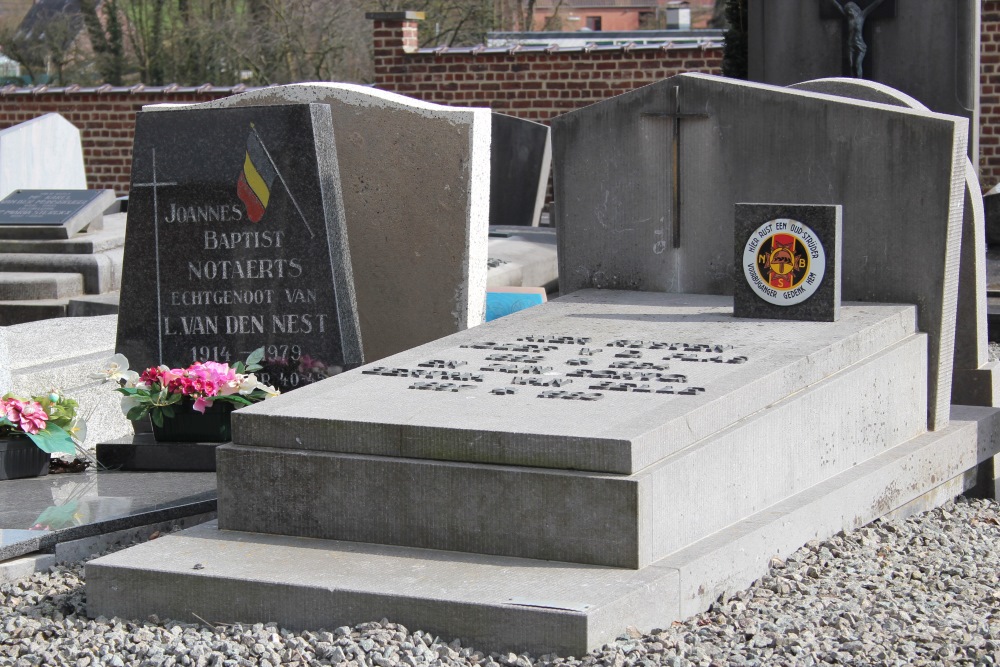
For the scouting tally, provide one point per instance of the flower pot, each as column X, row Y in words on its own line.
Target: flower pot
column 19, row 457
column 187, row 425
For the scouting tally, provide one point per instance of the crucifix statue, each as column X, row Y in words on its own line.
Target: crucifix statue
column 854, row 37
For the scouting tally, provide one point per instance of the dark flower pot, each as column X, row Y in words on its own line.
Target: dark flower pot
column 190, row 426
column 19, row 458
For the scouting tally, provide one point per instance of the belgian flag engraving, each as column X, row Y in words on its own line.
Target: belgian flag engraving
column 254, row 184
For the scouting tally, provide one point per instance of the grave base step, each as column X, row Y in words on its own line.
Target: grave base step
column 23, row 286
column 142, row 452
column 94, row 304
column 509, row 604
column 20, row 312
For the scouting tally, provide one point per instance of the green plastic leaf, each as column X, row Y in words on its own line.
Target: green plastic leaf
column 255, row 357
column 168, row 411
column 157, row 417
column 136, row 413
column 53, row 440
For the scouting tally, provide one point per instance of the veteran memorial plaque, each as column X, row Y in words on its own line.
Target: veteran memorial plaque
column 788, row 260
column 236, row 241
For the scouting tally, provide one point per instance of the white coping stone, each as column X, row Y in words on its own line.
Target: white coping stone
column 415, row 178
column 43, row 153
column 506, row 604
column 898, row 173
column 623, row 432
column 63, row 353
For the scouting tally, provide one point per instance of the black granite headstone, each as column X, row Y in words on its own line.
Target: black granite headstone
column 520, row 160
column 236, row 240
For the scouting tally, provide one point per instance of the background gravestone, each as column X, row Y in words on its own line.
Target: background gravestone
column 416, row 184
column 42, row 153
column 900, row 180
column 235, row 241
column 520, row 159
column 52, row 214
column 925, row 48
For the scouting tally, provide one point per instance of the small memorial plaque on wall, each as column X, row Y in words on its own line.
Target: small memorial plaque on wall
column 787, row 262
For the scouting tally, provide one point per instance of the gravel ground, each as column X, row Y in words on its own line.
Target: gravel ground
column 923, row 591
column 917, row 592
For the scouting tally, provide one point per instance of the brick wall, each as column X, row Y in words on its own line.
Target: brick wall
column 533, row 84
column 989, row 108
column 105, row 118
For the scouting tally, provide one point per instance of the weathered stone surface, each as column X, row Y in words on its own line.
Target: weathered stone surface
column 975, row 380
column 236, row 241
column 44, row 152
column 416, row 184
column 617, row 520
column 506, row 604
column 900, row 177
column 493, row 381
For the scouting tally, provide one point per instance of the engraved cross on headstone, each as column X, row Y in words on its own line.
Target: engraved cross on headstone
column 677, row 115
column 155, row 184
column 857, row 17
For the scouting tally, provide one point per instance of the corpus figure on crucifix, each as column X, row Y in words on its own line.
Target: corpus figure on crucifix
column 855, row 17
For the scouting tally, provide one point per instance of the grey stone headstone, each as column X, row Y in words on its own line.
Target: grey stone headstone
column 52, row 214
column 898, row 173
column 217, row 265
column 976, row 380
column 803, row 243
column 520, row 159
column 416, row 184
column 925, row 48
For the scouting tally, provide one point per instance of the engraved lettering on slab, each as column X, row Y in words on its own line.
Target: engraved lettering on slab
column 441, row 363
column 571, row 395
column 542, row 382
column 604, row 368
column 440, row 386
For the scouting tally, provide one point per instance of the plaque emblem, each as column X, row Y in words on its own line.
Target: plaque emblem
column 784, row 262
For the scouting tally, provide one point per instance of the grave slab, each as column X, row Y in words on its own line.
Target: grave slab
column 142, row 452
column 521, row 383
column 236, row 241
column 52, row 214
column 416, row 184
column 602, row 519
column 504, row 604
column 44, row 152
column 622, row 225
column 40, row 512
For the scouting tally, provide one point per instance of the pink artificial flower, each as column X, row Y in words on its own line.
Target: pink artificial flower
column 201, row 403
column 26, row 415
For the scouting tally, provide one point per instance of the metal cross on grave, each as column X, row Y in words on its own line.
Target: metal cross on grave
column 155, row 184
column 676, row 115
column 857, row 17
